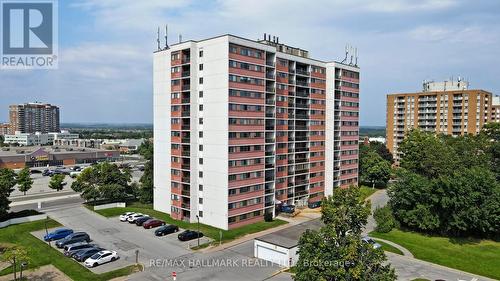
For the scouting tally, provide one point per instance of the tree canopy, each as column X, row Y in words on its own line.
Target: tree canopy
column 336, row 252
column 24, row 180
column 448, row 185
column 374, row 164
column 57, row 182
column 7, row 183
column 147, row 183
column 103, row 181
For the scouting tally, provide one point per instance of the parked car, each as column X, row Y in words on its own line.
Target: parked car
column 74, row 174
column 289, row 209
column 57, row 234
column 75, row 168
column 152, row 223
column 141, row 167
column 35, row 171
column 132, row 218
column 189, row 235
column 100, row 258
column 73, row 238
column 314, row 205
column 84, row 254
column 125, row 216
column 140, row 221
column 73, row 248
column 166, row 229
column 370, row 241
column 47, row 173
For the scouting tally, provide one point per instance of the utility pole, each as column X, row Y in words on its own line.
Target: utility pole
column 198, row 234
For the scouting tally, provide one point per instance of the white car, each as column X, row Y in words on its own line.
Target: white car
column 100, row 258
column 125, row 216
column 132, row 218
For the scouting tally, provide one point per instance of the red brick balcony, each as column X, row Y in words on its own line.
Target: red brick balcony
column 243, row 155
column 241, row 169
column 246, row 209
column 246, row 182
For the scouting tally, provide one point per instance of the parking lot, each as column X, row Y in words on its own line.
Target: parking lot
column 122, row 237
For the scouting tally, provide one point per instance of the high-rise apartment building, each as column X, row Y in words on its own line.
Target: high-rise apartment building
column 242, row 125
column 34, row 117
column 442, row 107
column 495, row 109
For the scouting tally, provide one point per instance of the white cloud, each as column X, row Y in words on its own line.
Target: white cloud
column 394, row 6
column 452, row 34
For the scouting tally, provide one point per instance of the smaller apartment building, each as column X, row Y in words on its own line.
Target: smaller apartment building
column 495, row 110
column 446, row 107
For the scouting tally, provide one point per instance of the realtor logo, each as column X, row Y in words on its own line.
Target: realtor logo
column 29, row 34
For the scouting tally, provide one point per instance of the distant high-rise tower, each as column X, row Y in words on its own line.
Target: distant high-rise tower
column 34, row 117
column 442, row 107
column 242, row 125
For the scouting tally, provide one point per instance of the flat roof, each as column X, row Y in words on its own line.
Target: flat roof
column 27, row 150
column 289, row 237
column 254, row 41
column 439, row 92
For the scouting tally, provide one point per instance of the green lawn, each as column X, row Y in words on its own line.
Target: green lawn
column 389, row 248
column 42, row 254
column 210, row 231
column 471, row 255
column 365, row 191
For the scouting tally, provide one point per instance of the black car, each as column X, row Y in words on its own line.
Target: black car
column 84, row 254
column 140, row 221
column 73, row 238
column 189, row 235
column 34, row 171
column 166, row 229
column 314, row 205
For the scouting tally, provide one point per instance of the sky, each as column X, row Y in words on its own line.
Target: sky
column 106, row 47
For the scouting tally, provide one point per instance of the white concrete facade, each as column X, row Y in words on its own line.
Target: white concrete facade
column 25, row 139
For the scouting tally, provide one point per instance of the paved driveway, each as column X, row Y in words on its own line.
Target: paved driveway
column 119, row 236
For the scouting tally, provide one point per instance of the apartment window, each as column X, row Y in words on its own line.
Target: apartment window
column 201, row 66
column 200, row 214
column 200, row 200
column 200, row 174
column 200, row 187
column 200, row 134
column 200, row 94
column 200, row 147
column 200, row 161
column 201, row 107
column 200, row 121
column 201, row 53
column 201, row 80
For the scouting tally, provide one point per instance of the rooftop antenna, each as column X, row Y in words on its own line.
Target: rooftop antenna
column 166, row 36
column 264, row 36
column 180, row 38
column 158, row 38
column 346, row 52
column 352, row 55
column 356, row 56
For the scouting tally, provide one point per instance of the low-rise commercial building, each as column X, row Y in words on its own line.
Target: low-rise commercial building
column 27, row 139
column 20, row 157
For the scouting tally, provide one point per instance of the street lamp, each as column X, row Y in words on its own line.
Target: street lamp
column 24, row 264
column 198, row 218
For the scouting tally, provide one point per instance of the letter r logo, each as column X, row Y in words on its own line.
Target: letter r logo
column 27, row 28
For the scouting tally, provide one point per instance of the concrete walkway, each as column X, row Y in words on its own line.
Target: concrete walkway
column 399, row 247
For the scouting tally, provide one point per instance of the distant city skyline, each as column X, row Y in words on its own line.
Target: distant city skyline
column 105, row 48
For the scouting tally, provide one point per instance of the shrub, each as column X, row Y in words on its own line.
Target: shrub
column 385, row 219
column 268, row 217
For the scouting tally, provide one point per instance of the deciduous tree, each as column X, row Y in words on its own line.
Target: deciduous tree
column 57, row 182
column 336, row 252
column 24, row 180
column 7, row 183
